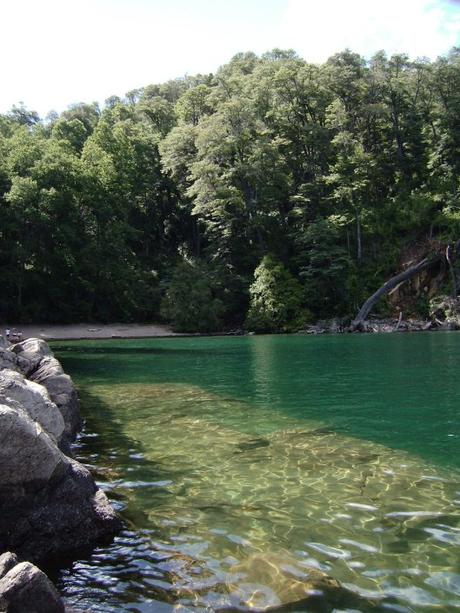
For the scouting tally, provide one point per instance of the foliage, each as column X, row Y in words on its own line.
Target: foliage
column 331, row 169
column 445, row 308
column 189, row 302
column 324, row 267
column 275, row 298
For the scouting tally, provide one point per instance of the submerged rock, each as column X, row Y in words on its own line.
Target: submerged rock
column 255, row 443
column 26, row 589
column 291, row 588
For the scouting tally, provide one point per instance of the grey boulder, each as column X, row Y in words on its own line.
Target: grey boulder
column 8, row 359
column 26, row 589
column 35, row 361
column 32, row 346
column 7, row 561
column 50, row 503
column 33, row 399
column 61, row 391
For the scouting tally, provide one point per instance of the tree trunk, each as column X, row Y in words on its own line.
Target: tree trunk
column 359, row 253
column 357, row 323
column 196, row 236
column 453, row 276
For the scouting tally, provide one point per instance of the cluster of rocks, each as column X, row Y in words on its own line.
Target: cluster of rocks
column 50, row 505
column 441, row 319
column 24, row 587
column 326, row 326
column 378, row 325
column 445, row 312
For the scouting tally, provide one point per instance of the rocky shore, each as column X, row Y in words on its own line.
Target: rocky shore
column 375, row 325
column 50, row 505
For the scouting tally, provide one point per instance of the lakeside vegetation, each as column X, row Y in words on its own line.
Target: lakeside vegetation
column 273, row 192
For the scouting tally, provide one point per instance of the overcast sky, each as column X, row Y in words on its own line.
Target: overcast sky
column 57, row 52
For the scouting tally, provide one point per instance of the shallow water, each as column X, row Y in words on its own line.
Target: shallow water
column 241, row 463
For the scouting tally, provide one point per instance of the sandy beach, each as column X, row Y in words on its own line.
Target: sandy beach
column 88, row 331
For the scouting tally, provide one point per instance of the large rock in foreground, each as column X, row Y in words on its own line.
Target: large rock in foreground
column 26, row 589
column 32, row 398
column 50, row 504
column 35, row 360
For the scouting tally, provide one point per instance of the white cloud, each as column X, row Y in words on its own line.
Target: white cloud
column 317, row 29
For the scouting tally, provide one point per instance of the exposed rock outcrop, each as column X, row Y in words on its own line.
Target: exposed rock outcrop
column 50, row 505
column 371, row 325
column 7, row 561
column 25, row 588
column 445, row 312
column 36, row 361
column 17, row 392
column 8, row 359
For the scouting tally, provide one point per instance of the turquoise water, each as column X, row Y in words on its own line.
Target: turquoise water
column 399, row 390
column 230, row 456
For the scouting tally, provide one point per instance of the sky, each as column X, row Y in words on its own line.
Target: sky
column 59, row 52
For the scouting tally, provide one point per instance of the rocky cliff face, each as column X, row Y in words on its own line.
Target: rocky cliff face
column 50, row 505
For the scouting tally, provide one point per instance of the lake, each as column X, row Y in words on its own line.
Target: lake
column 239, row 463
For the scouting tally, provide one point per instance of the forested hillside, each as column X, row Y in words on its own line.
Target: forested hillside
column 272, row 192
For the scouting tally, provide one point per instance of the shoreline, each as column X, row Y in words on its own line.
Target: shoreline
column 88, row 331
column 52, row 508
column 84, row 331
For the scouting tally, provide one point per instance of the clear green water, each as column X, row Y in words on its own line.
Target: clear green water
column 239, row 463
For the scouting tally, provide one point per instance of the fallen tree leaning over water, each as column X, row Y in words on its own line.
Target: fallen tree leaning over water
column 446, row 254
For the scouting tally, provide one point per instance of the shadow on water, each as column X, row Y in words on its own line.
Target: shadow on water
column 117, row 461
column 398, row 390
column 96, row 579
column 161, row 351
column 226, row 461
column 139, row 571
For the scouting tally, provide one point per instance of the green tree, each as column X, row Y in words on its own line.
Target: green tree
column 190, row 303
column 275, row 299
column 324, row 267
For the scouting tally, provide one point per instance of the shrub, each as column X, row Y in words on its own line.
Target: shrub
column 189, row 303
column 275, row 298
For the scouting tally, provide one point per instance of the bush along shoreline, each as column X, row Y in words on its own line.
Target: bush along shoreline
column 51, row 506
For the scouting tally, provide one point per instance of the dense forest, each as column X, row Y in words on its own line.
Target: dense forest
column 267, row 195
